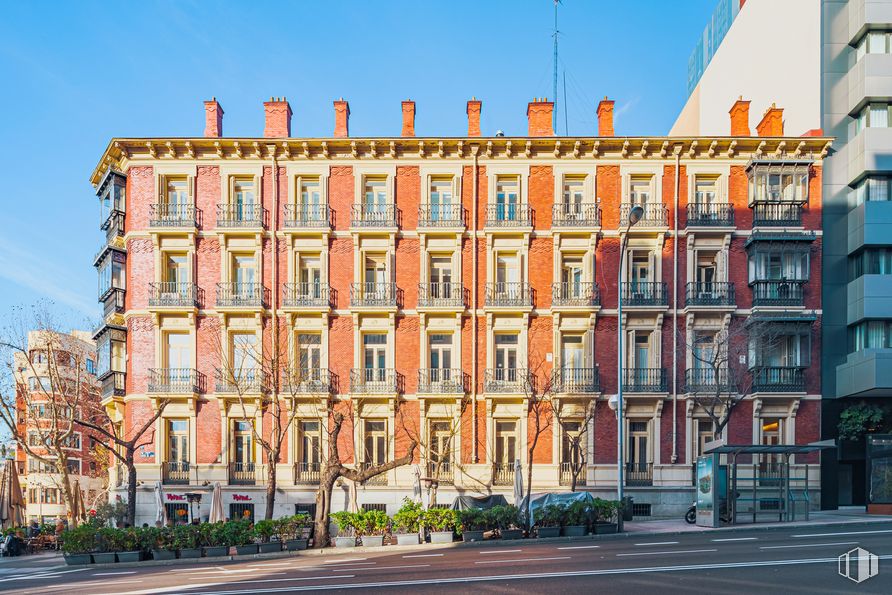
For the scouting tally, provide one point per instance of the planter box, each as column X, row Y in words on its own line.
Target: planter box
column 512, row 533
column 270, row 547
column 443, row 536
column 294, row 545
column 216, row 551
column 246, row 550
column 407, row 539
column 373, row 540
column 104, row 558
column 129, row 556
column 164, row 555
column 192, row 552
column 345, row 542
column 78, row 559
column 548, row 532
column 605, row 528
column 574, row 531
column 472, row 536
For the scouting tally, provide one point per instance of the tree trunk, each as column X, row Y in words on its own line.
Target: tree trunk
column 271, row 484
column 131, row 488
column 321, row 535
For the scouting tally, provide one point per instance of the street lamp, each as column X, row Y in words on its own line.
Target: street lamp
column 635, row 215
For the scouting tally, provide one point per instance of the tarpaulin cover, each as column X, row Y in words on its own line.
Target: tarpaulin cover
column 482, row 503
column 538, row 501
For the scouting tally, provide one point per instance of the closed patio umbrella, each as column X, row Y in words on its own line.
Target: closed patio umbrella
column 416, row 485
column 78, row 510
column 12, row 503
column 518, row 486
column 161, row 513
column 216, row 513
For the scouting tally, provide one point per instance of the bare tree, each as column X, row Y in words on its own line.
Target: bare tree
column 566, row 417
column 539, row 389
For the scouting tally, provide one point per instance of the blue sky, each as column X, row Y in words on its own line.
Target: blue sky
column 79, row 73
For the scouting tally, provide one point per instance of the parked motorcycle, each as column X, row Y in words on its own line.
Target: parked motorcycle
column 691, row 515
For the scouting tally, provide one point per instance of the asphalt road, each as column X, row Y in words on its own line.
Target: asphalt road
column 795, row 560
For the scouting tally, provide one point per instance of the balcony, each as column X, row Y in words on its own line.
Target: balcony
column 373, row 381
column 306, row 382
column 509, row 295
column 505, row 380
column 307, row 473
column 373, row 295
column 644, row 380
column 778, row 293
column 710, row 215
column 440, row 471
column 175, row 473
column 707, row 380
column 113, row 226
column 307, row 295
column 645, row 293
column 377, row 480
column 112, row 301
column 441, row 381
column 575, row 294
column 585, row 381
column 374, row 216
column 241, row 216
column 502, row 474
column 585, row 214
column 173, row 215
column 174, row 295
column 655, row 215
column 639, row 474
column 181, row 381
column 241, row 474
column 241, row 382
column 566, row 475
column 508, row 215
column 710, row 293
column 298, row 216
column 242, row 295
column 777, row 215
column 441, row 215
column 778, row 379
column 441, row 295
column 113, row 385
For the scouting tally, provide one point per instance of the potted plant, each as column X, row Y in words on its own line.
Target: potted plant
column 407, row 522
column 371, row 526
column 606, row 514
column 77, row 544
column 290, row 530
column 548, row 520
column 128, row 545
column 576, row 519
column 473, row 523
column 107, row 540
column 266, row 530
column 506, row 519
column 346, row 523
column 187, row 539
column 214, row 539
column 242, row 535
column 442, row 523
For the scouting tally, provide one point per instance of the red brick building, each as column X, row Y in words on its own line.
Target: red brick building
column 421, row 281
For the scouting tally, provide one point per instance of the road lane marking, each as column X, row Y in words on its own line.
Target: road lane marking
column 523, row 560
column 200, row 568
column 735, row 539
column 667, row 552
column 846, row 533
column 344, row 560
column 252, row 581
column 797, row 545
column 335, row 565
column 659, row 543
column 579, row 547
column 424, row 556
column 500, row 552
column 225, row 571
column 113, row 573
column 107, row 583
column 380, row 568
column 204, row 576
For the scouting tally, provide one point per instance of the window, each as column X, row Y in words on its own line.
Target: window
column 243, row 199
column 572, row 352
column 704, row 432
column 240, row 510
column 772, row 434
column 641, row 269
column 781, row 349
column 74, row 466
column 640, row 356
column 703, row 355
column 507, row 198
column 178, row 441
column 440, row 443
column 871, row 334
column 34, row 439
column 375, row 441
column 40, row 383
column 506, row 442
column 245, row 357
column 375, row 273
column 875, row 42
column 440, row 275
column 507, row 273
column 177, row 511
column 440, row 353
column 111, row 274
column 38, row 466
column 778, row 183
column 572, row 443
column 441, row 199
column 779, row 265
column 178, row 351
column 375, row 193
column 176, row 270
column 309, row 356
column 243, row 273
column 639, row 454
column 506, row 357
column 874, row 115
column 311, row 203
column 177, row 194
column 309, row 276
column 873, row 188
column 870, row 261
column 572, row 274
column 90, row 366
column 640, row 190
column 242, row 440
column 574, row 195
column 73, row 441
column 309, row 444
column 705, row 190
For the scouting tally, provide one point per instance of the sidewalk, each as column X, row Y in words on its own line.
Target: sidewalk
column 821, row 518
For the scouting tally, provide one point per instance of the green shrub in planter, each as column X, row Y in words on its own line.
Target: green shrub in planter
column 77, row 544
column 606, row 516
column 442, row 523
column 265, row 530
column 577, row 517
column 408, row 518
column 346, row 523
column 371, row 525
column 548, row 520
column 128, row 546
column 290, row 530
column 506, row 520
column 472, row 523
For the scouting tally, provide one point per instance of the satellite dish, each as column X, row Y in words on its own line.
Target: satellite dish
column 500, row 133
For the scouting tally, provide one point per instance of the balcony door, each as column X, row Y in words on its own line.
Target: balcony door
column 311, row 200
column 243, row 200
column 506, row 443
column 310, row 277
column 704, row 355
column 245, row 359
column 572, row 276
column 374, row 357
column 704, row 433
column 441, row 444
column 309, row 446
column 441, row 199
column 178, row 444
column 704, row 192
column 243, row 275
column 375, row 442
column 309, row 357
column 507, row 276
column 177, row 195
column 573, row 362
column 772, row 434
column 639, row 191
column 178, row 357
column 706, row 273
column 572, row 445
column 441, row 277
column 440, row 357
column 242, row 445
column 638, row 454
column 176, row 272
column 506, row 357
column 375, row 199
column 375, row 276
column 507, row 199
column 574, row 195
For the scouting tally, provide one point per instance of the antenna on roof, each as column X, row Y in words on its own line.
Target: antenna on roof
column 555, row 73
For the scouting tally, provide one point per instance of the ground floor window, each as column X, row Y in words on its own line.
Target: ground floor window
column 177, row 512
column 239, row 510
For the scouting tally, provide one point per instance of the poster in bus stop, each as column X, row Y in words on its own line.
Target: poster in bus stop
column 707, row 513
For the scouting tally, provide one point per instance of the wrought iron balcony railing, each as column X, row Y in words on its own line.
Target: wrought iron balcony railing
column 242, row 474
column 782, row 379
column 307, row 216
column 777, row 215
column 713, row 214
column 237, row 216
column 173, row 294
column 655, row 215
column 711, row 293
column 508, row 215
column 172, row 215
column 571, row 293
column 505, row 380
column 440, row 471
column 502, row 474
column 377, row 480
column 509, row 294
column 307, row 473
column 381, row 295
column 445, row 295
column 644, row 380
column 306, row 381
column 369, row 215
column 639, row 474
column 645, row 293
column 441, row 215
column 175, row 473
column 441, row 381
column 181, row 381
column 373, row 381
column 242, row 295
column 586, row 214
column 566, row 477
column 307, row 295
column 576, row 381
column 707, row 380
column 778, row 293
column 241, row 382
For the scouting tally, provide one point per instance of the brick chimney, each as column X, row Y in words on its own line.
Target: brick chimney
column 740, row 117
column 539, row 112
column 278, row 118
column 408, row 118
column 772, row 123
column 605, row 117
column 342, row 118
column 475, row 106
column 213, row 119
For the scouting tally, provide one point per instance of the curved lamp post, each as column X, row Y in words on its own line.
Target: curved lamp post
column 635, row 215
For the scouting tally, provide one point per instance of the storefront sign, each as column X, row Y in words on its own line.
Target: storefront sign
column 176, row 497
column 241, row 498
